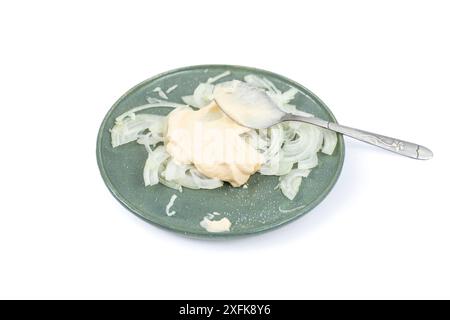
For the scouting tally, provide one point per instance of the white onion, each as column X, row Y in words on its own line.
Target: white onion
column 171, row 184
column 174, row 171
column 329, row 141
column 308, row 141
column 171, row 89
column 308, row 163
column 178, row 175
column 203, row 95
column 203, row 182
column 160, row 92
column 151, row 168
column 129, row 129
column 159, row 104
column 218, row 77
column 290, row 183
column 189, row 100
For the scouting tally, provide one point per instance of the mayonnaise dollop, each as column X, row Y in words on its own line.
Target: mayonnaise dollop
column 212, row 142
column 222, row 225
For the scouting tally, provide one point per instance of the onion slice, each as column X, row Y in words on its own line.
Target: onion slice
column 290, row 183
column 151, row 168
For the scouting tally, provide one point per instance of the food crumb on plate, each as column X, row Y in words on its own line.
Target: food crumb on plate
column 171, row 89
column 170, row 204
column 215, row 226
column 160, row 92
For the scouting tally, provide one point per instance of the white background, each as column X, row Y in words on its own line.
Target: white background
column 384, row 230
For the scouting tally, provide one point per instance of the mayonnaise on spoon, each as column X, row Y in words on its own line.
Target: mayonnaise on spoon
column 247, row 105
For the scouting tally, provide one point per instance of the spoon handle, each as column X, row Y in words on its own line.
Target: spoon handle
column 401, row 147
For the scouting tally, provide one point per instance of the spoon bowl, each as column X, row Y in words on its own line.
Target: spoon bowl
column 247, row 105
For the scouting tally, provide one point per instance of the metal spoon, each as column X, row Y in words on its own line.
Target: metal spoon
column 252, row 107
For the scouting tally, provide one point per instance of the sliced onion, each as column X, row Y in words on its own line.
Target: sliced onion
column 218, row 77
column 151, row 168
column 290, row 183
column 187, row 176
column 174, row 171
column 203, row 182
column 156, row 103
column 171, row 88
column 148, row 140
column 203, row 95
column 274, row 138
column 262, row 83
column 329, row 141
column 189, row 100
column 129, row 129
column 308, row 163
column 171, row 184
column 276, row 134
column 193, row 179
column 308, row 142
column 160, row 92
column 289, row 95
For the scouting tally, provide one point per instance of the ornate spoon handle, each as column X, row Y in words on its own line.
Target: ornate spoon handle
column 401, row 147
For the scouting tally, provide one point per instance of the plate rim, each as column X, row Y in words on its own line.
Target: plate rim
column 227, row 235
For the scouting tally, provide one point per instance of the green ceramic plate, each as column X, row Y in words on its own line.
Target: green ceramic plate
column 255, row 209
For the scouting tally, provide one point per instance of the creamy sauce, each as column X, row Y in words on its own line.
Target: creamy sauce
column 222, row 225
column 211, row 141
column 247, row 105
